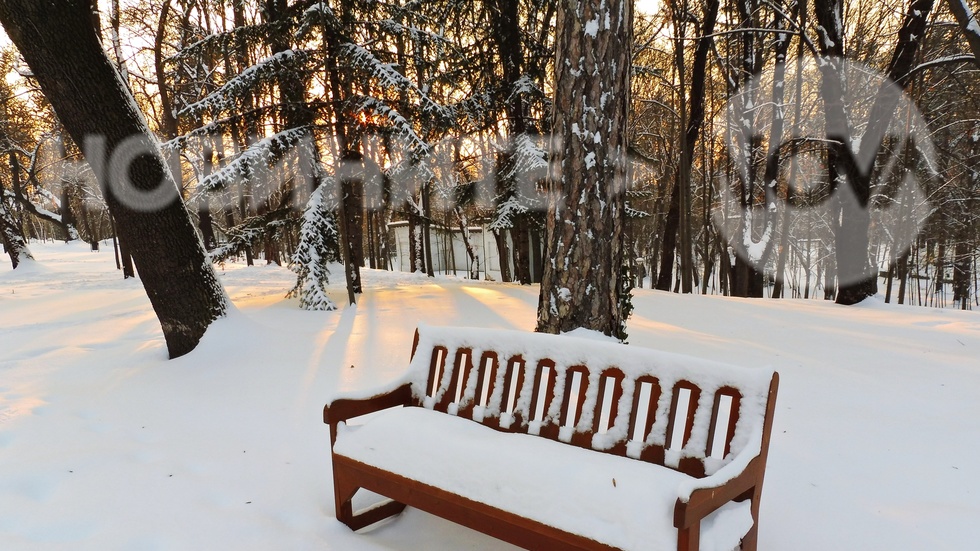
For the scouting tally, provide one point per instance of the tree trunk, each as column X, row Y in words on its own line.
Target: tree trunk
column 464, row 232
column 679, row 213
column 969, row 24
column 12, row 237
column 67, row 215
column 349, row 150
column 961, row 274
column 11, row 231
column 503, row 255
column 582, row 284
column 425, row 200
column 779, row 288
column 61, row 47
column 505, row 22
column 851, row 172
column 204, row 220
column 520, row 236
column 168, row 119
column 669, row 248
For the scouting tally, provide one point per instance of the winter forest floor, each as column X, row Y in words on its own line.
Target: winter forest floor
column 106, row 445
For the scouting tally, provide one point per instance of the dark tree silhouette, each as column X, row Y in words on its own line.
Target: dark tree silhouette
column 62, row 48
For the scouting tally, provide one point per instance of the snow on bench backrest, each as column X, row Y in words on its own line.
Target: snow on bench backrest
column 682, row 412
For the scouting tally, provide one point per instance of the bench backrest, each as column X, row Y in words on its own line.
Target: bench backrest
column 681, row 412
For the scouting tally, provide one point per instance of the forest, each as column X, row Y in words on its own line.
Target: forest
column 298, row 131
column 234, row 226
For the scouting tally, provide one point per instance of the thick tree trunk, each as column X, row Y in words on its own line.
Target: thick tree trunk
column 850, row 172
column 582, row 284
column 60, row 46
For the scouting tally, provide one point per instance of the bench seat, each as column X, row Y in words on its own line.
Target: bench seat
column 618, row 501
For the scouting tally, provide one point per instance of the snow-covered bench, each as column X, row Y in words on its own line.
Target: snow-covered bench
column 557, row 442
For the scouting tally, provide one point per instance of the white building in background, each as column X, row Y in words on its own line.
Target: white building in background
column 449, row 251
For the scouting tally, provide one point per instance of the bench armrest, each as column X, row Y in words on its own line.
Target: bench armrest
column 706, row 499
column 341, row 410
column 740, row 479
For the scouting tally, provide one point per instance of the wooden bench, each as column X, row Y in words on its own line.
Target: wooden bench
column 554, row 442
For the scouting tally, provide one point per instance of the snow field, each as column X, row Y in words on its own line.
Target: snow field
column 104, row 444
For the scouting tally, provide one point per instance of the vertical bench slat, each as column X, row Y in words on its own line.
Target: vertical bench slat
column 486, row 376
column 652, row 453
column 736, row 400
column 651, row 408
column 578, row 399
column 606, row 414
column 436, row 367
column 615, row 377
column 461, row 367
column 513, row 383
column 542, row 394
column 693, row 466
column 688, row 421
column 572, row 405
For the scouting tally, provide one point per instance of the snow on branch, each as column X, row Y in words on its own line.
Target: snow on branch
column 225, row 97
column 479, row 109
column 947, row 60
column 968, row 23
column 403, row 128
column 389, row 77
column 318, row 235
column 38, row 212
column 224, row 40
column 319, row 13
column 256, row 160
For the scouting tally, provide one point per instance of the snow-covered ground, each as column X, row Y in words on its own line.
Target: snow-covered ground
column 105, row 445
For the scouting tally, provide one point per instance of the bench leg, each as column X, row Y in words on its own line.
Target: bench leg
column 750, row 542
column 689, row 539
column 344, row 490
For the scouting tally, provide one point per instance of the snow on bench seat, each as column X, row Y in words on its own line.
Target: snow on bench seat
column 614, row 500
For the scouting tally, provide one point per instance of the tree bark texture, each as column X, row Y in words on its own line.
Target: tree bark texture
column 581, row 284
